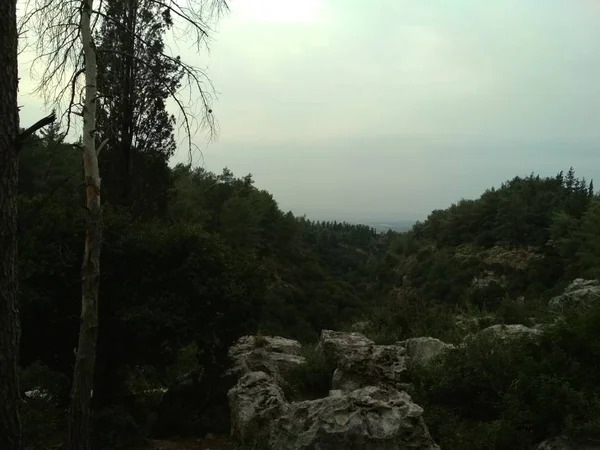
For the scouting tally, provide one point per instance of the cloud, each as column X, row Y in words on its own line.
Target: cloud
column 394, row 107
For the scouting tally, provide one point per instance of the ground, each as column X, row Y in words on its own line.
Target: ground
column 207, row 443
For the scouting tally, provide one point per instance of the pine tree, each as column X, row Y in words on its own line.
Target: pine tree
column 135, row 80
column 10, row 332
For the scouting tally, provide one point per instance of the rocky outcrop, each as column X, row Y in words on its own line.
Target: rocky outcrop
column 272, row 344
column 366, row 409
column 255, row 402
column 370, row 365
column 510, row 331
column 369, row 418
column 273, row 355
column 579, row 293
column 424, row 349
column 562, row 443
column 336, row 344
column 504, row 332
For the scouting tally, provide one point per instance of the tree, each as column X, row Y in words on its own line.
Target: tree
column 66, row 42
column 10, row 425
column 132, row 114
column 10, row 139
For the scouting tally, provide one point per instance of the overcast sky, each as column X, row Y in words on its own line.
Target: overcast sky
column 387, row 109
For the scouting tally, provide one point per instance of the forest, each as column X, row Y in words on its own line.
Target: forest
column 202, row 259
column 192, row 260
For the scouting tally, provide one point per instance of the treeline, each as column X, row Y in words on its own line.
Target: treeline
column 218, row 261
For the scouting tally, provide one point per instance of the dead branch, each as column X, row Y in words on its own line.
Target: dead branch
column 50, row 118
column 194, row 75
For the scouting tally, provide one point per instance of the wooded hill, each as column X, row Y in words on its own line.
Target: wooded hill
column 192, row 260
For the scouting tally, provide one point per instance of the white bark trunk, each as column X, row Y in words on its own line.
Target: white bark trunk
column 83, row 376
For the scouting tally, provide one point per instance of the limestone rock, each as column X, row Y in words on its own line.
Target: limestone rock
column 335, row 344
column 273, row 355
column 511, row 331
column 370, row 365
column 371, row 418
column 275, row 344
column 579, row 293
column 423, row 349
column 562, row 443
column 255, row 402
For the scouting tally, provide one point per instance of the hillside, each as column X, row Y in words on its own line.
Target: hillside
column 188, row 271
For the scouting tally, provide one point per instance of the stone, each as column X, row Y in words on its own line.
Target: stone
column 424, row 349
column 255, row 402
column 273, row 355
column 370, row 365
column 579, row 293
column 562, row 443
column 371, row 418
column 274, row 344
column 511, row 331
column 335, row 344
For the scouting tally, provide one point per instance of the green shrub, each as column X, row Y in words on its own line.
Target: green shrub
column 511, row 394
column 311, row 380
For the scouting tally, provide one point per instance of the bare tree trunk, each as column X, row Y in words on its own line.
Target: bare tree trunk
column 83, row 377
column 10, row 331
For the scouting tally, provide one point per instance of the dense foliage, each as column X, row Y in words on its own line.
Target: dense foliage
column 179, row 285
column 223, row 260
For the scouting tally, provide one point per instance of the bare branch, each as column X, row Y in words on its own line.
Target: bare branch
column 58, row 49
column 72, row 100
column 101, row 146
column 172, row 93
column 196, row 77
column 50, row 118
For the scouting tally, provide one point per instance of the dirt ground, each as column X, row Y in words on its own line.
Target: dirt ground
column 207, row 443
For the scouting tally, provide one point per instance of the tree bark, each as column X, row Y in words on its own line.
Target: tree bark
column 10, row 330
column 83, row 376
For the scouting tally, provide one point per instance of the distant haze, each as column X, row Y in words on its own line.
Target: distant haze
column 385, row 110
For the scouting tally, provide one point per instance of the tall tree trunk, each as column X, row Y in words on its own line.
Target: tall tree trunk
column 10, row 331
column 83, row 377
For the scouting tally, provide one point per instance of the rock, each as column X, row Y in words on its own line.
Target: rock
column 255, row 402
column 562, row 443
column 371, row 418
column 335, row 344
column 273, row 355
column 474, row 324
column 579, row 293
column 515, row 331
column 370, row 365
column 275, row 344
column 423, row 349
column 511, row 331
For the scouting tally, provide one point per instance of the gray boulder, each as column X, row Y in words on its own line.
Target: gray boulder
column 424, row 349
column 273, row 355
column 371, row 418
column 505, row 332
column 562, row 443
column 370, row 365
column 336, row 344
column 579, row 293
column 255, row 402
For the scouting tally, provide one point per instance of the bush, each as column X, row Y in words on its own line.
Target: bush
column 503, row 394
column 311, row 380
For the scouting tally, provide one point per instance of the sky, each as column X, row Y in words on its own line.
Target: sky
column 384, row 110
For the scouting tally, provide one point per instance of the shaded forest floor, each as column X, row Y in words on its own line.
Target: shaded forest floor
column 206, row 443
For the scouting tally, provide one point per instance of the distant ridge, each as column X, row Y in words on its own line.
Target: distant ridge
column 394, row 225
